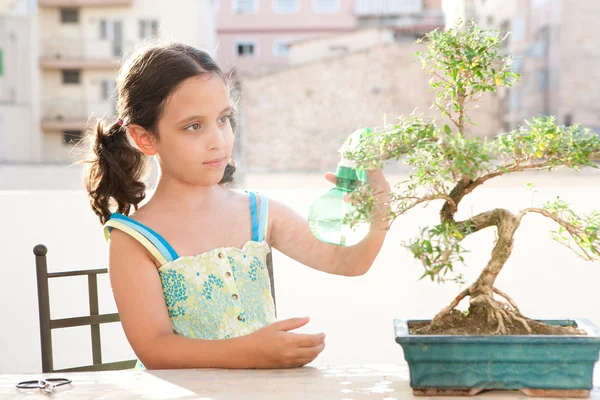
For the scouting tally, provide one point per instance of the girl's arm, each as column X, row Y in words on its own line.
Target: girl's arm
column 290, row 234
column 139, row 297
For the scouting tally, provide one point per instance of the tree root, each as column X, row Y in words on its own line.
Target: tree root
column 438, row 318
column 511, row 301
column 489, row 316
column 501, row 313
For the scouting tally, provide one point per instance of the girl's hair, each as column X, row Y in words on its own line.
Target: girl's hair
column 145, row 83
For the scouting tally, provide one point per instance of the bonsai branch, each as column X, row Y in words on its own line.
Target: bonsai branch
column 447, row 112
column 456, row 194
column 576, row 232
column 515, row 167
column 414, row 202
column 461, row 112
column 437, row 75
column 467, row 185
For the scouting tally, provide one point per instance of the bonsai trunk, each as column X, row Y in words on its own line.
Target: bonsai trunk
column 487, row 315
column 507, row 225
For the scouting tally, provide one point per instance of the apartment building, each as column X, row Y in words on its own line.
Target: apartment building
column 19, row 107
column 255, row 36
column 555, row 50
column 409, row 19
column 81, row 45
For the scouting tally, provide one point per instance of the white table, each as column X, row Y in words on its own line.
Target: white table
column 339, row 383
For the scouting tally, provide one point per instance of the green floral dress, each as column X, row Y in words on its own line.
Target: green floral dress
column 223, row 293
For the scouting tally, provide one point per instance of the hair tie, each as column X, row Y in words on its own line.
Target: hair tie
column 120, row 122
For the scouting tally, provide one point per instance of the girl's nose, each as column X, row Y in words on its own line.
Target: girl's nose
column 217, row 138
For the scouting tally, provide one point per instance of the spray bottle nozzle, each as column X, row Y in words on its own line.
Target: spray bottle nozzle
column 347, row 169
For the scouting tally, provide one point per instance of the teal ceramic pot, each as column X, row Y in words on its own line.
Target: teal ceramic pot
column 539, row 365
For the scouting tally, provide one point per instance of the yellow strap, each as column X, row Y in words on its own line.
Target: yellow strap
column 259, row 208
column 267, row 223
column 136, row 235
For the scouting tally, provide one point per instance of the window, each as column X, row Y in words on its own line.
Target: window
column 107, row 89
column 244, row 6
column 216, row 6
column 103, row 29
column 515, row 99
column 518, row 29
column 543, row 81
column 246, row 49
column 338, row 49
column 568, row 120
column 71, row 76
column 542, row 41
column 72, row 137
column 286, row 6
column 69, row 15
column 281, row 48
column 326, row 6
column 148, row 28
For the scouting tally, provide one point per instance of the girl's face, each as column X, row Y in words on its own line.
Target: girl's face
column 196, row 138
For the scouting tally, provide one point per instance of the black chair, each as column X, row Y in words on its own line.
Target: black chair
column 94, row 319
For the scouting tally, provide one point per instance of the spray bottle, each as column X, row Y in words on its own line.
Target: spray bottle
column 326, row 215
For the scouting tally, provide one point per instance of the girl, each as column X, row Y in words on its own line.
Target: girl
column 198, row 294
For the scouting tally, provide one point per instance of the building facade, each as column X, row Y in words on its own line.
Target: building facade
column 82, row 45
column 59, row 61
column 255, row 35
column 20, row 137
column 295, row 119
column 553, row 43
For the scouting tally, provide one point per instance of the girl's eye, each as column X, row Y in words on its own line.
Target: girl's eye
column 225, row 118
column 193, row 127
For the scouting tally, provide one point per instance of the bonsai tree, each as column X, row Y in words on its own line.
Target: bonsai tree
column 464, row 63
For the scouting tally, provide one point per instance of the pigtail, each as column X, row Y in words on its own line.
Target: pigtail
column 228, row 174
column 115, row 169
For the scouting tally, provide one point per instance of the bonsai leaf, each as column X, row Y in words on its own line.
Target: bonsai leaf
column 580, row 233
column 543, row 144
column 438, row 248
column 464, row 64
column 393, row 142
column 447, row 129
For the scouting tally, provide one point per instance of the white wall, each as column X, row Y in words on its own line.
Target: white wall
column 546, row 280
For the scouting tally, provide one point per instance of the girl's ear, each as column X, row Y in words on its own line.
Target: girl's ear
column 144, row 140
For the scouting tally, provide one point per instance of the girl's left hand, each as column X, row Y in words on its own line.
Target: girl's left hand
column 381, row 188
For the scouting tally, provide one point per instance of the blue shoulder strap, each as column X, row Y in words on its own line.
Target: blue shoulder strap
column 161, row 244
column 254, row 216
column 259, row 224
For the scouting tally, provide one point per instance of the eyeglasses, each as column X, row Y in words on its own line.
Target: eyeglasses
column 47, row 384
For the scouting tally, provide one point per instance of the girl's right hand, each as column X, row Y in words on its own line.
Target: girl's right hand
column 274, row 346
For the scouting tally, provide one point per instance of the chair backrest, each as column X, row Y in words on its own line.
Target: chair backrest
column 47, row 324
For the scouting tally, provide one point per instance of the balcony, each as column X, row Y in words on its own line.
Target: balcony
column 64, row 114
column 426, row 21
column 387, row 8
column 77, row 53
column 85, row 3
